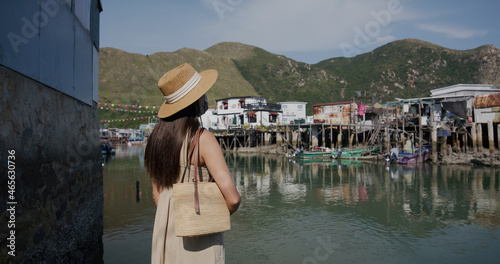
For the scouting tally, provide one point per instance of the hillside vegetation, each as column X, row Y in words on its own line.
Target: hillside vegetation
column 407, row 69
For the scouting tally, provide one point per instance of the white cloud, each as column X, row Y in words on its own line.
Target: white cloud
column 452, row 32
column 297, row 25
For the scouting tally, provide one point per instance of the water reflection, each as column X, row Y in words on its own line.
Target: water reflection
column 350, row 211
column 396, row 193
column 129, row 208
column 374, row 213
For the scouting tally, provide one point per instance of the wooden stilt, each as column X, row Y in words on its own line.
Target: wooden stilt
column 480, row 137
column 339, row 138
column 349, row 135
column 491, row 139
column 464, row 139
column 331, row 136
column 387, row 139
column 323, row 135
column 498, row 137
column 419, row 159
column 433, row 137
column 403, row 140
column 234, row 142
column 473, row 132
column 299, row 139
column 364, row 136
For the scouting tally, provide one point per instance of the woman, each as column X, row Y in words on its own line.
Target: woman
column 166, row 157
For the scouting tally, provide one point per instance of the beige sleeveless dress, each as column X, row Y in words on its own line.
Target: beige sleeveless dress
column 168, row 248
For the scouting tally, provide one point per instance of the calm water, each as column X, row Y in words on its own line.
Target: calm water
column 324, row 212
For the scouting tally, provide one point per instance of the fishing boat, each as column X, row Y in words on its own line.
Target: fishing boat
column 318, row 153
column 135, row 141
column 415, row 157
column 361, row 153
column 394, row 156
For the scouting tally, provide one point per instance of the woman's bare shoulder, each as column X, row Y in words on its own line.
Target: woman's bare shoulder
column 207, row 136
column 208, row 140
column 209, row 147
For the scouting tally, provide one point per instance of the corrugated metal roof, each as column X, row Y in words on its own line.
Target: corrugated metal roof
column 240, row 97
column 464, row 89
column 336, row 103
column 292, row 102
column 334, row 113
column 487, row 100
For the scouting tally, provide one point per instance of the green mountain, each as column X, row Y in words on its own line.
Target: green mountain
column 132, row 79
column 405, row 69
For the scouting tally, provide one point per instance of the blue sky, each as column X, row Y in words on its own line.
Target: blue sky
column 304, row 30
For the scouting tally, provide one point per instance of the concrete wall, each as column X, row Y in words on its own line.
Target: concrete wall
column 49, row 132
column 58, row 175
column 292, row 111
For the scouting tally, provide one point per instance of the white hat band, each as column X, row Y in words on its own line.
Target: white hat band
column 186, row 88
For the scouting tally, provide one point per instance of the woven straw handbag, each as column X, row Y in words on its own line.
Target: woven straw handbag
column 199, row 207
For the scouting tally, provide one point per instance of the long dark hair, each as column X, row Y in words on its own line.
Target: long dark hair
column 162, row 154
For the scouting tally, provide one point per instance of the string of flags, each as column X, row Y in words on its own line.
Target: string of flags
column 129, row 108
column 130, row 111
column 127, row 119
column 126, row 108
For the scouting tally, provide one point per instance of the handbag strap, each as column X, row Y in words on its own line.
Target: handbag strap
column 194, row 142
column 195, row 178
column 200, row 174
column 194, row 151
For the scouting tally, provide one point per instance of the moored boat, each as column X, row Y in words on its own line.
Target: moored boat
column 394, row 156
column 361, row 153
column 135, row 143
column 320, row 153
column 407, row 158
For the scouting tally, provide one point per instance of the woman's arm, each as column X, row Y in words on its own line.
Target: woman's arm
column 156, row 193
column 211, row 155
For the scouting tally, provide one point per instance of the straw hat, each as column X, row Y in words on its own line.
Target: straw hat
column 182, row 86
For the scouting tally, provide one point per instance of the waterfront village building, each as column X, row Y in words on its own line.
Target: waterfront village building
column 209, row 119
column 344, row 113
column 464, row 90
column 335, row 113
column 236, row 112
column 147, row 129
column 450, row 104
column 218, row 118
column 487, row 108
column 221, row 118
column 293, row 113
column 50, row 125
column 309, row 119
column 122, row 134
column 457, row 101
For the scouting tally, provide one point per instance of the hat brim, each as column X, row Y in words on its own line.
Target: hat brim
column 208, row 79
